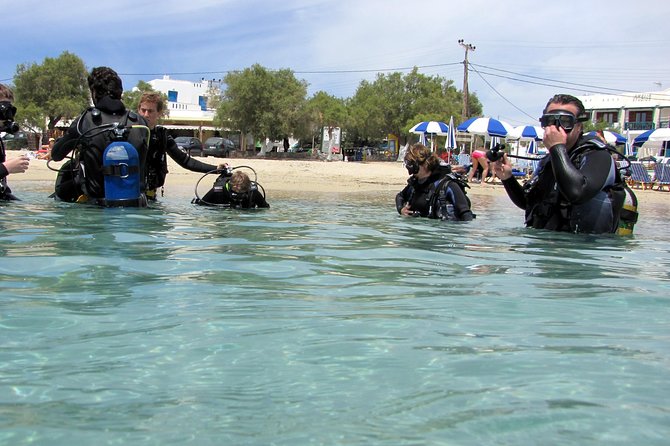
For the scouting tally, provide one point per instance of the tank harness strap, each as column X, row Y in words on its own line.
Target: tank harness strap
column 120, row 170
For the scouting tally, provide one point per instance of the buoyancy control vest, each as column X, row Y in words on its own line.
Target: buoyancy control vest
column 443, row 200
column 97, row 130
column 603, row 213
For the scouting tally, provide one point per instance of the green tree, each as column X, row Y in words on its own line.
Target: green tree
column 321, row 110
column 393, row 103
column 267, row 104
column 54, row 90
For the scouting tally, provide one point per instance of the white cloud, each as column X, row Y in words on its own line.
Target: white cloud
column 598, row 43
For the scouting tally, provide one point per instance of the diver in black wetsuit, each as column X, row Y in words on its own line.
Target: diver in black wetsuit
column 577, row 186
column 161, row 144
column 432, row 190
column 16, row 164
column 235, row 191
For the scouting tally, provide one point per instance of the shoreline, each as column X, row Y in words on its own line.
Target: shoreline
column 293, row 176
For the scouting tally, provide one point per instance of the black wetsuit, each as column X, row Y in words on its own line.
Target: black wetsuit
column 161, row 144
column 92, row 132
column 220, row 194
column 438, row 196
column 573, row 191
column 5, row 191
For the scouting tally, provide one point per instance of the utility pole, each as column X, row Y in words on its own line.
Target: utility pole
column 467, row 47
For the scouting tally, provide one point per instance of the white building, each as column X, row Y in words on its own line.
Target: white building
column 633, row 112
column 187, row 104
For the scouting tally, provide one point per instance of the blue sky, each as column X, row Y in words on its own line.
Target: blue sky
column 525, row 50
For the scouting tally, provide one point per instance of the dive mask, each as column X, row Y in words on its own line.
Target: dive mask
column 7, row 111
column 560, row 118
column 412, row 166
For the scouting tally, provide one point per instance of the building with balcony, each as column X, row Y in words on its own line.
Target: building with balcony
column 633, row 112
column 189, row 113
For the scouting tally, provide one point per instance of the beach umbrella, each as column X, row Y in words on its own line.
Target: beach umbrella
column 611, row 137
column 652, row 136
column 451, row 135
column 432, row 127
column 494, row 140
column 532, row 148
column 527, row 133
column 628, row 150
column 485, row 127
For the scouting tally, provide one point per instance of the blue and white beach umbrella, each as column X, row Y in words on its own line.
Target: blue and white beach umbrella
column 486, row 127
column 611, row 137
column 432, row 127
column 532, row 148
column 655, row 135
column 527, row 133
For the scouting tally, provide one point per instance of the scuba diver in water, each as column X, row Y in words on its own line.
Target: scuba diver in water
column 577, row 187
column 234, row 189
column 84, row 177
column 18, row 164
column 432, row 189
column 161, row 144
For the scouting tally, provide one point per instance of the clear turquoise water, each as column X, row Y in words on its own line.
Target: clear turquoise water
column 328, row 320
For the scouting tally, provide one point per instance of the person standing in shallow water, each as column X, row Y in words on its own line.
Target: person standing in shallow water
column 15, row 165
column 576, row 187
column 82, row 179
column 432, row 190
column 161, row 144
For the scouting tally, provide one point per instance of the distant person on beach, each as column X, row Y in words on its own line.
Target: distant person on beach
column 82, row 179
column 432, row 189
column 577, row 186
column 161, row 144
column 236, row 191
column 478, row 160
column 7, row 125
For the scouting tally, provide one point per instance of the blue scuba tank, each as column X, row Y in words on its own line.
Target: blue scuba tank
column 121, row 169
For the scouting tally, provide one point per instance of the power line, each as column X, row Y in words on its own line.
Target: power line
column 500, row 94
column 627, row 92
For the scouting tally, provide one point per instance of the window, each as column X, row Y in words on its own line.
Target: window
column 172, row 96
column 202, row 101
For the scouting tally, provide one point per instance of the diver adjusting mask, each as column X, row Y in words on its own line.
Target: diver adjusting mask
column 561, row 118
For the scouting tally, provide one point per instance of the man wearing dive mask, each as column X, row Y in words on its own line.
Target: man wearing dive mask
column 576, row 186
column 18, row 164
column 236, row 191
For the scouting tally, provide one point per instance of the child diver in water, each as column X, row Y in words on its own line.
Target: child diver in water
column 234, row 190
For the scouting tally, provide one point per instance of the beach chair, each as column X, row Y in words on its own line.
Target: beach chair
column 662, row 176
column 639, row 177
column 463, row 159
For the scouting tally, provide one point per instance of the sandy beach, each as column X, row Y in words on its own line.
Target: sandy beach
column 299, row 176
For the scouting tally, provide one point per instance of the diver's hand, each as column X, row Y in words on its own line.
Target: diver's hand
column 554, row 135
column 18, row 164
column 501, row 170
column 406, row 210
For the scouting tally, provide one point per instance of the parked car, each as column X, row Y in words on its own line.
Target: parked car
column 217, row 146
column 189, row 144
column 17, row 141
column 298, row 147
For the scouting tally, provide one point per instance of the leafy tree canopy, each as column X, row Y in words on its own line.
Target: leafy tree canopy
column 262, row 102
column 48, row 92
column 394, row 102
column 321, row 110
